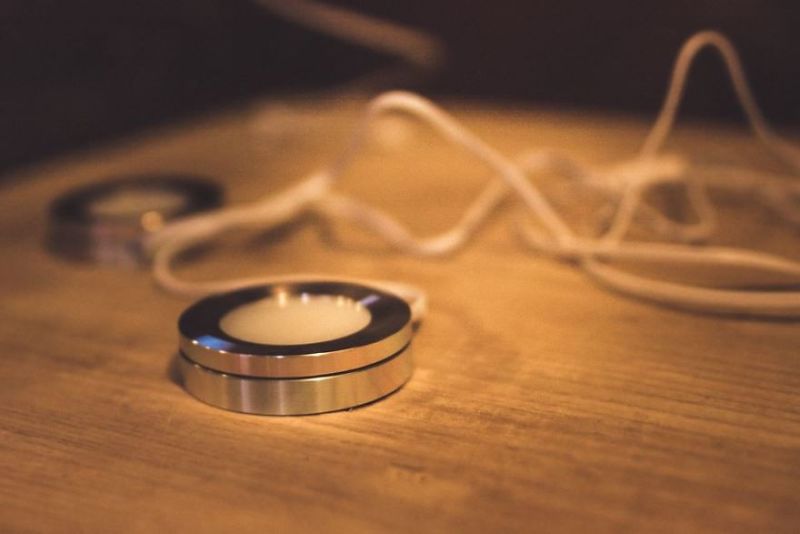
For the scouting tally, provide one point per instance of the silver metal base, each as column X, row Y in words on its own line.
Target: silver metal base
column 297, row 396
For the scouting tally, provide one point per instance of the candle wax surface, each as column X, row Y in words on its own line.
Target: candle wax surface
column 295, row 319
column 134, row 202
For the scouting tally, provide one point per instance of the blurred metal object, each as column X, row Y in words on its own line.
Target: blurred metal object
column 106, row 222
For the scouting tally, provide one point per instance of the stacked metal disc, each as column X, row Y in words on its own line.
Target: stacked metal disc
column 107, row 222
column 280, row 350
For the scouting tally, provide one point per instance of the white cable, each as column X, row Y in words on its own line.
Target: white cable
column 677, row 86
column 313, row 193
column 772, row 303
column 698, row 299
column 623, row 187
column 373, row 33
column 419, row 53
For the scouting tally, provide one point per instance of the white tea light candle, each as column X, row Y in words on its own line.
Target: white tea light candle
column 134, row 202
column 296, row 319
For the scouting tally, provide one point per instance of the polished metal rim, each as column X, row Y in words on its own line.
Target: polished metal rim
column 203, row 341
column 296, row 396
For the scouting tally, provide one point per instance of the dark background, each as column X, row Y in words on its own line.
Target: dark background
column 79, row 72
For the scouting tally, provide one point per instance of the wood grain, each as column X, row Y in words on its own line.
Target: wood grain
column 540, row 403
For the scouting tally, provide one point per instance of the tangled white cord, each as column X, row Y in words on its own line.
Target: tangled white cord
column 413, row 48
column 624, row 185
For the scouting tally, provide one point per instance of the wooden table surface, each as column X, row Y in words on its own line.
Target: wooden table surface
column 540, row 401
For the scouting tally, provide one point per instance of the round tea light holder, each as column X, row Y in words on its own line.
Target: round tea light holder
column 295, row 348
column 107, row 222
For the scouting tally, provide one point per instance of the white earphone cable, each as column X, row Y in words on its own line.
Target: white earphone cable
column 624, row 186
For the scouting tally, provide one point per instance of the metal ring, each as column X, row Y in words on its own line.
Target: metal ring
column 78, row 231
column 203, row 340
column 296, row 396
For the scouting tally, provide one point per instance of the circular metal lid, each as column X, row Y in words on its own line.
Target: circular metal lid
column 204, row 341
column 107, row 221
